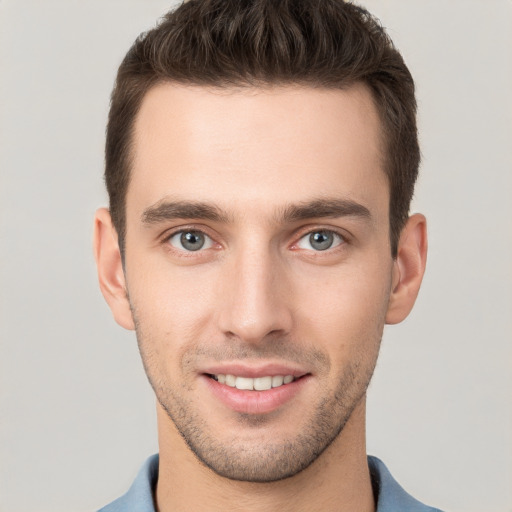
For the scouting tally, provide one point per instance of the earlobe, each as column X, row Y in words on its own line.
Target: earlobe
column 409, row 268
column 110, row 269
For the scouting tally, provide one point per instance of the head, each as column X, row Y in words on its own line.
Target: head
column 229, row 44
column 260, row 163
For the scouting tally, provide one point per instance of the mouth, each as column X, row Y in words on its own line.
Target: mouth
column 260, row 393
column 253, row 384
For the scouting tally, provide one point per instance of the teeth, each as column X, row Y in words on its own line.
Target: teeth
column 263, row 383
column 258, row 384
column 244, row 383
column 277, row 381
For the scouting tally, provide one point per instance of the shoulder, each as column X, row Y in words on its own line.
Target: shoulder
column 389, row 494
column 140, row 495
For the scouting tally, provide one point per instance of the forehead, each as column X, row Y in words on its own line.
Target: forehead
column 253, row 145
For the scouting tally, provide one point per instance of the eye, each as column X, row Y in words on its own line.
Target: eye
column 320, row 240
column 190, row 240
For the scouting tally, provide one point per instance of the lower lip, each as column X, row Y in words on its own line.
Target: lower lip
column 255, row 402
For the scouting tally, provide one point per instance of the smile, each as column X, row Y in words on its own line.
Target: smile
column 253, row 384
column 261, row 394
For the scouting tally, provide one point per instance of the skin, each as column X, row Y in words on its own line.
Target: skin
column 259, row 293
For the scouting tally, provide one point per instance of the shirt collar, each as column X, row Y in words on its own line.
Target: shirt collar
column 389, row 495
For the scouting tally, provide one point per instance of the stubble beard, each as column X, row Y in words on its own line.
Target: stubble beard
column 264, row 463
column 269, row 461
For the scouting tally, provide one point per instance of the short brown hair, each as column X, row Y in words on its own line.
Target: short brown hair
column 237, row 43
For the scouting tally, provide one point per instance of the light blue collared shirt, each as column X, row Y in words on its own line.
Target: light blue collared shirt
column 390, row 496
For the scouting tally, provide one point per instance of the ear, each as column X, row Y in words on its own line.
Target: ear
column 408, row 268
column 110, row 269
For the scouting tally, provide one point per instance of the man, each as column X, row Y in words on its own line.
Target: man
column 260, row 161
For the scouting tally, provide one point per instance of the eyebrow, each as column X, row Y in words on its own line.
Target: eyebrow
column 324, row 207
column 170, row 210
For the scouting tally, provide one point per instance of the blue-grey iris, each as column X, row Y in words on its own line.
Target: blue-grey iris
column 321, row 240
column 192, row 240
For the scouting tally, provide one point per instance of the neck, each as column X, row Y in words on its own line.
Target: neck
column 337, row 481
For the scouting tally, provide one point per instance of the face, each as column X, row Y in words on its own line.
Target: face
column 258, row 267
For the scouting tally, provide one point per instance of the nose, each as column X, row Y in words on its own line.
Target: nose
column 255, row 297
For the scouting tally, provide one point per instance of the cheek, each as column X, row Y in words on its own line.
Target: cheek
column 345, row 311
column 172, row 305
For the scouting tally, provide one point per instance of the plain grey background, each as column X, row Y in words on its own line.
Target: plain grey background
column 76, row 413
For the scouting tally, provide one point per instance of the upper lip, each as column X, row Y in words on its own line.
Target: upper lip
column 254, row 371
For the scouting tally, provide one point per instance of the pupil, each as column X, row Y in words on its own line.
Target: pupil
column 321, row 240
column 192, row 241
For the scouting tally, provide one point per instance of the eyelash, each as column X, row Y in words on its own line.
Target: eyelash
column 343, row 239
column 187, row 229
